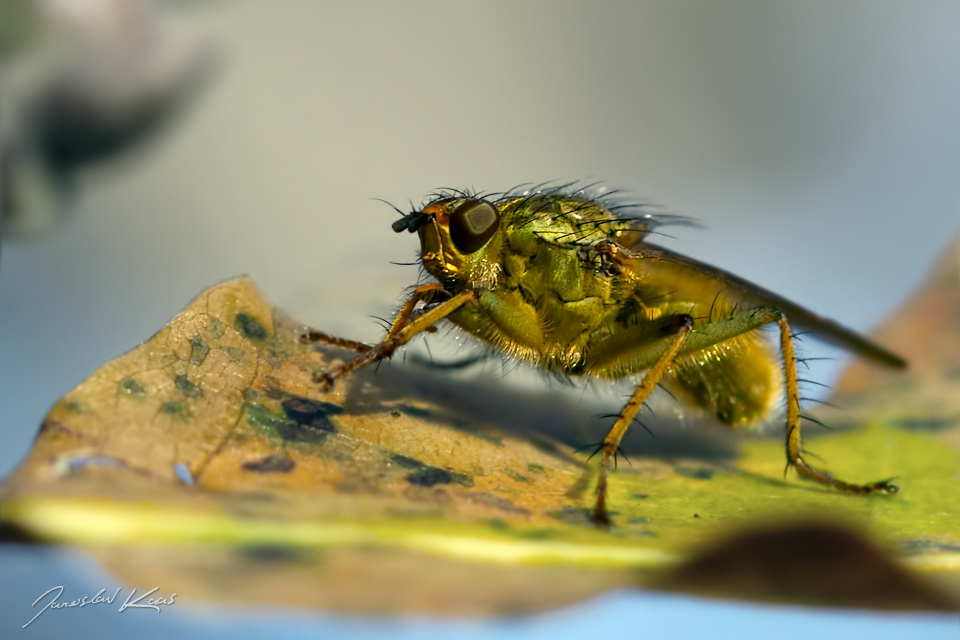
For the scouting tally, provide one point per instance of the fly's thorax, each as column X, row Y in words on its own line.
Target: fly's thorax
column 460, row 243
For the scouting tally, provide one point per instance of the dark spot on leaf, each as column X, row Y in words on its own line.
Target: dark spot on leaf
column 923, row 424
column 405, row 462
column 198, row 350
column 171, row 408
column 187, row 388
column 698, row 473
column 129, row 386
column 461, row 478
column 251, row 395
column 429, row 476
column 50, row 426
column 77, row 407
column 277, row 553
column 216, row 327
column 249, row 327
column 395, row 414
column 310, row 413
column 639, row 496
column 293, row 432
column 517, row 477
column 270, row 464
column 696, row 515
column 535, row 534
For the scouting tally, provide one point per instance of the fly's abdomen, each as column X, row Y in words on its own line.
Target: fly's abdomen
column 738, row 380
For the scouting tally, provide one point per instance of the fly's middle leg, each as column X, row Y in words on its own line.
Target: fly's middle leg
column 611, row 443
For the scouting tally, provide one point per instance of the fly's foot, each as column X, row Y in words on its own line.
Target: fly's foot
column 601, row 518
column 885, row 487
column 882, row 487
column 325, row 380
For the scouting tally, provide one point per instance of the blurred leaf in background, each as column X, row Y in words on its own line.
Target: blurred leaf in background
column 83, row 85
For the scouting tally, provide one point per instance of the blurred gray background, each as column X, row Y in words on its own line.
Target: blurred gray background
column 818, row 142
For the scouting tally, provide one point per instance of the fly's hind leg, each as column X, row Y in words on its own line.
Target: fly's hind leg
column 611, row 443
column 794, row 448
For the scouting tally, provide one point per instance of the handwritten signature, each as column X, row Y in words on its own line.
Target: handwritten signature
column 129, row 603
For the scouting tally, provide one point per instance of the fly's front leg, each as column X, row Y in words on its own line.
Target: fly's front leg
column 312, row 335
column 421, row 294
column 611, row 443
column 400, row 333
column 794, row 448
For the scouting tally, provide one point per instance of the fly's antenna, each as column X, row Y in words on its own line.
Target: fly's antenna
column 408, row 221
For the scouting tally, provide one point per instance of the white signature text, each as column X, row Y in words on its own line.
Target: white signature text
column 130, row 603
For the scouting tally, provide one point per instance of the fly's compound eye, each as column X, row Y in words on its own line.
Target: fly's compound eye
column 472, row 224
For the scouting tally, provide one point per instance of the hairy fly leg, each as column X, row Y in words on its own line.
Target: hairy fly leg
column 794, row 447
column 688, row 341
column 611, row 443
column 312, row 335
column 405, row 327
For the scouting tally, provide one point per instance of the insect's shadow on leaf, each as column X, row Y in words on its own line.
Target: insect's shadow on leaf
column 474, row 404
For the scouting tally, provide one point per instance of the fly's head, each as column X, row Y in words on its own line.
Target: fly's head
column 460, row 240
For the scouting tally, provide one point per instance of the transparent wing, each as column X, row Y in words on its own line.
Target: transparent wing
column 826, row 329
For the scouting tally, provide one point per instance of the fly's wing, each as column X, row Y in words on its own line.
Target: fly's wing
column 826, row 329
